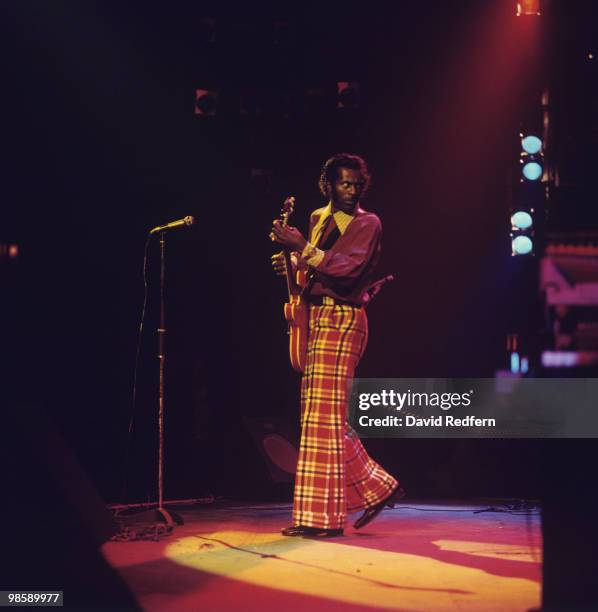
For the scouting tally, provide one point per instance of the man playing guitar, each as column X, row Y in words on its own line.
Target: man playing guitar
column 335, row 476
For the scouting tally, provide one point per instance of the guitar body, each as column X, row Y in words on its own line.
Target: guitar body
column 296, row 312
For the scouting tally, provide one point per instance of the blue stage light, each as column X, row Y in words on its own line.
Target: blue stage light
column 521, row 220
column 531, row 144
column 532, row 171
column 522, row 245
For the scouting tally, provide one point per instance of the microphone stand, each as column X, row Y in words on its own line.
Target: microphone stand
column 170, row 518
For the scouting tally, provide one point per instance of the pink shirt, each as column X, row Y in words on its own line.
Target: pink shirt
column 347, row 267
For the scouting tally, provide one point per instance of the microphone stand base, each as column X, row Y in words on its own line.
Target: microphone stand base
column 172, row 519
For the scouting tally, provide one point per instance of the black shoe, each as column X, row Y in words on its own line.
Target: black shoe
column 371, row 513
column 311, row 532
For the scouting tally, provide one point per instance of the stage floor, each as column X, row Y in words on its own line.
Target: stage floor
column 418, row 556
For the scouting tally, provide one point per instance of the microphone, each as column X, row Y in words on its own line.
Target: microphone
column 188, row 220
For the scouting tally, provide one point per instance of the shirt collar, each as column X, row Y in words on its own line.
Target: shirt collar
column 342, row 219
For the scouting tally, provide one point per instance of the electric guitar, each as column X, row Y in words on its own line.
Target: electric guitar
column 296, row 310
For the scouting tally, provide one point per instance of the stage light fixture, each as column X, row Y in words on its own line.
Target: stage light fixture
column 206, row 102
column 531, row 170
column 348, row 94
column 531, row 144
column 528, row 7
column 522, row 232
column 521, row 220
column 515, row 363
column 531, row 157
column 522, row 245
column 527, row 195
column 9, row 251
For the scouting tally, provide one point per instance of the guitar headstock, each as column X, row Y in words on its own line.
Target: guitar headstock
column 287, row 210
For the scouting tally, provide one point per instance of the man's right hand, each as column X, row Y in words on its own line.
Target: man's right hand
column 278, row 264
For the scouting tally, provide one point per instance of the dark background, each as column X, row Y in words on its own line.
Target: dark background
column 102, row 143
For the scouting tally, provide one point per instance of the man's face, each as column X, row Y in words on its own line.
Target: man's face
column 347, row 190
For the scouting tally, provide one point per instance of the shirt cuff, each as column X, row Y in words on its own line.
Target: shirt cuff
column 312, row 255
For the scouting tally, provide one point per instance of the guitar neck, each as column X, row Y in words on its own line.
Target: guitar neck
column 292, row 286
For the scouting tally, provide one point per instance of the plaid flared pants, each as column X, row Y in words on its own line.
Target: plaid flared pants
column 335, row 476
